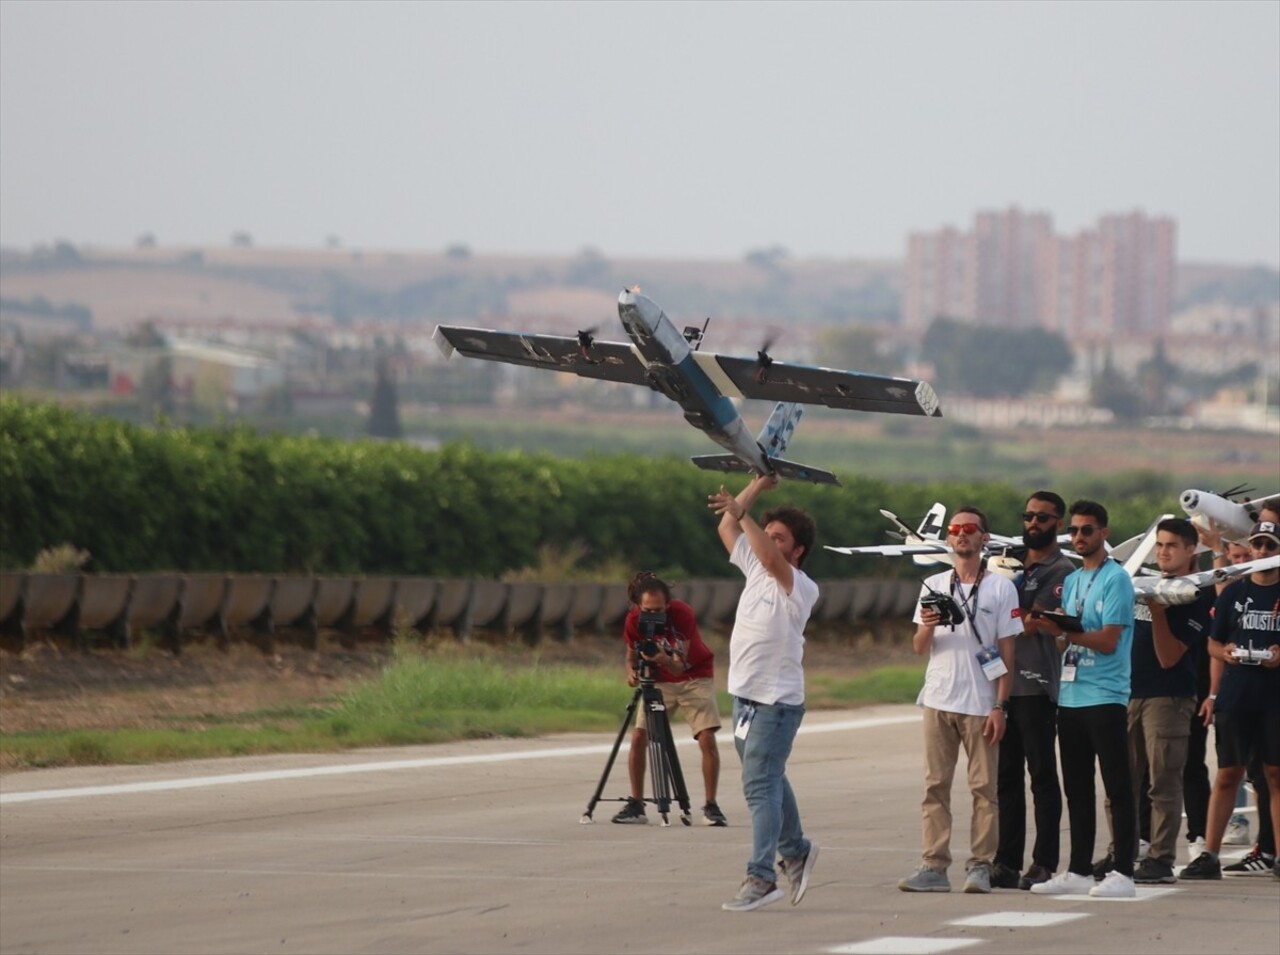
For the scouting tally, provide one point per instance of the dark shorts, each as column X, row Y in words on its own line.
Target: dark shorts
column 1241, row 736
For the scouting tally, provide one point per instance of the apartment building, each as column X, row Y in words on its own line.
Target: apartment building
column 1011, row 270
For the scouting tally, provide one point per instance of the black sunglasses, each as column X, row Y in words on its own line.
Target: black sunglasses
column 1040, row 517
column 1084, row 530
column 1264, row 543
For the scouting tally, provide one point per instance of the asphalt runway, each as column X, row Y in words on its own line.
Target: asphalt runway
column 478, row 848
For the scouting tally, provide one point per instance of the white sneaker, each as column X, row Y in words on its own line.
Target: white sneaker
column 1195, row 847
column 1237, row 831
column 1143, row 847
column 1067, row 883
column 1114, row 886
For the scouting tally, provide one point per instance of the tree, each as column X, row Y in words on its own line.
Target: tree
column 994, row 362
column 856, row 347
column 384, row 410
column 1111, row 390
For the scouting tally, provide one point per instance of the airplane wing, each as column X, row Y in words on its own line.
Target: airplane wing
column 1180, row 590
column 850, row 390
column 732, row 464
column 609, row 361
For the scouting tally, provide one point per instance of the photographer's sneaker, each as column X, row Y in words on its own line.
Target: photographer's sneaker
column 1255, row 863
column 712, row 816
column 1237, row 833
column 753, row 894
column 925, row 880
column 1067, row 883
column 798, row 871
column 1116, row 885
column 632, row 813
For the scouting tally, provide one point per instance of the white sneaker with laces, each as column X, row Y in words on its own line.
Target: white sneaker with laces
column 1195, row 847
column 1066, row 883
column 1115, row 886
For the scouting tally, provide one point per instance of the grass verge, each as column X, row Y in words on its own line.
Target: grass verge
column 419, row 697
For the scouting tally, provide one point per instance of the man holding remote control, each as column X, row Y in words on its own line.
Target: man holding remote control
column 1246, row 639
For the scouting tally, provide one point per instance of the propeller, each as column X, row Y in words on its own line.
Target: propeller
column 585, row 340
column 763, row 361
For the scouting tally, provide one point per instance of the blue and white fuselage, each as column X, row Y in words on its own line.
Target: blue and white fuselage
column 701, row 389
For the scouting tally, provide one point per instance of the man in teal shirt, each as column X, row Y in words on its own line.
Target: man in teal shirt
column 1093, row 708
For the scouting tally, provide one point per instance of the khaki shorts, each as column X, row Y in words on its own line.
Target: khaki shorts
column 698, row 699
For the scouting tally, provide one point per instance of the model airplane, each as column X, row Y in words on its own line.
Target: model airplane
column 925, row 545
column 1184, row 589
column 1235, row 518
column 702, row 384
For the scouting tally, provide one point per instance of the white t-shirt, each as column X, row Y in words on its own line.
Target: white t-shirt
column 766, row 647
column 954, row 681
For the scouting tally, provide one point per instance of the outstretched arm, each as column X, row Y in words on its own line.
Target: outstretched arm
column 736, row 520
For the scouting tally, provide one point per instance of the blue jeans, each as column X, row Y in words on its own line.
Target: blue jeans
column 775, row 818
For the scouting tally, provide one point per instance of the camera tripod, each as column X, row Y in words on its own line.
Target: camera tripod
column 664, row 765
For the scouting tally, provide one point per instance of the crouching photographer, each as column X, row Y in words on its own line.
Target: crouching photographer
column 663, row 644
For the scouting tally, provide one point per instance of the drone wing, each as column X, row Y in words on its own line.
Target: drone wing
column 939, row 551
column 1180, row 590
column 609, row 361
column 850, row 390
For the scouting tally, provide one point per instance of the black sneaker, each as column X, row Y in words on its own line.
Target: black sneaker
column 712, row 816
column 1034, row 876
column 1002, row 877
column 632, row 813
column 1151, row 871
column 1203, row 866
column 1104, row 865
column 1256, row 862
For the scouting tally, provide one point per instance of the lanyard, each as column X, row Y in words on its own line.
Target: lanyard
column 969, row 604
column 1082, row 600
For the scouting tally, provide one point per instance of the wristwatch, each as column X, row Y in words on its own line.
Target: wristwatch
column 1002, row 706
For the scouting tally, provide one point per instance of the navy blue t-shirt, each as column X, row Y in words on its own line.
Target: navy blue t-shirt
column 1189, row 623
column 1248, row 613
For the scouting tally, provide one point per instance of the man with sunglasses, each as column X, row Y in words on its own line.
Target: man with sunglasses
column 1032, row 724
column 1093, row 709
column 1246, row 716
column 965, row 693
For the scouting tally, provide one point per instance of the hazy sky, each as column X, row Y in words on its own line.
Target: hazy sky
column 647, row 129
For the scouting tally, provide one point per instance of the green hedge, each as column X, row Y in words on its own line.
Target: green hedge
column 230, row 499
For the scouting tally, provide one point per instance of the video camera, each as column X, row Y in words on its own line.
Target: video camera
column 651, row 624
column 945, row 606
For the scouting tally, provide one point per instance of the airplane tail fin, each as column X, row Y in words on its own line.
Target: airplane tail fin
column 788, row 469
column 931, row 529
column 777, row 431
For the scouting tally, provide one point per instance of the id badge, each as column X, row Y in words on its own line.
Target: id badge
column 744, row 722
column 991, row 662
column 1069, row 664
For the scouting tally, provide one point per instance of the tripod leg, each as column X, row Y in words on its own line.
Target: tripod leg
column 659, row 770
column 586, row 819
column 677, row 777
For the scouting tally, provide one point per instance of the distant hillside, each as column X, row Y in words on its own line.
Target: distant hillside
column 122, row 287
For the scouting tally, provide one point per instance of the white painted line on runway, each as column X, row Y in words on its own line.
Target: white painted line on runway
column 431, row 762
column 1019, row 919
column 905, row 945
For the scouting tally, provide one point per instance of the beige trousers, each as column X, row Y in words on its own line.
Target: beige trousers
column 944, row 734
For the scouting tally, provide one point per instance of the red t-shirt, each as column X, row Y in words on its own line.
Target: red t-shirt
column 682, row 627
